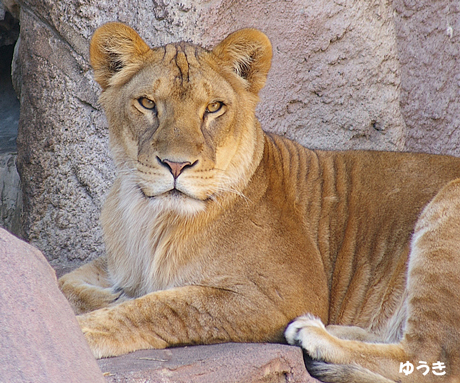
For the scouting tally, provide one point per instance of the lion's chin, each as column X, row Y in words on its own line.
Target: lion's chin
column 175, row 201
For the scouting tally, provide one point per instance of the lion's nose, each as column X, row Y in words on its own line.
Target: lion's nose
column 176, row 168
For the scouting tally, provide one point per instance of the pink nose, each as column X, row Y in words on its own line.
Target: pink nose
column 176, row 168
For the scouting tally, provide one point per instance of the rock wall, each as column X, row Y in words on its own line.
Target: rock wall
column 428, row 42
column 364, row 74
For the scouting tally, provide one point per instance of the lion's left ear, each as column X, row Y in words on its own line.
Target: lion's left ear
column 248, row 52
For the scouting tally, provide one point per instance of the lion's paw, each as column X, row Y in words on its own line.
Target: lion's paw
column 293, row 329
column 98, row 334
column 113, row 331
column 84, row 298
column 310, row 333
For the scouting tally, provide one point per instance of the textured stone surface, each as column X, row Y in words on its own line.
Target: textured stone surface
column 428, row 36
column 10, row 194
column 335, row 75
column 40, row 340
column 367, row 74
column 63, row 156
column 223, row 363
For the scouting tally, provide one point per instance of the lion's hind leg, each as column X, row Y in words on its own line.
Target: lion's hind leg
column 353, row 333
column 428, row 350
column 336, row 360
column 89, row 288
column 342, row 372
column 432, row 331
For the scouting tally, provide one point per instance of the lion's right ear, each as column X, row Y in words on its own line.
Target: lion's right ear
column 116, row 52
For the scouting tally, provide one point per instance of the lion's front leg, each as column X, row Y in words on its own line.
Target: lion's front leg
column 88, row 288
column 181, row 316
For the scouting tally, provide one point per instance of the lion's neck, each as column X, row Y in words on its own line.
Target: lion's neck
column 148, row 247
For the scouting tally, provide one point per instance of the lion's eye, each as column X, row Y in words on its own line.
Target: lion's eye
column 146, row 103
column 214, row 107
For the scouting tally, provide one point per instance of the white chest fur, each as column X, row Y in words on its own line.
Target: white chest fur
column 147, row 239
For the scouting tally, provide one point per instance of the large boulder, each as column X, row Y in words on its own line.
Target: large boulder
column 374, row 75
column 40, row 339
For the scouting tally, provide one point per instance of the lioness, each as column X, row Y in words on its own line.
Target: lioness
column 219, row 232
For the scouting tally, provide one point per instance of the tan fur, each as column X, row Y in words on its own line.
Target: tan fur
column 256, row 230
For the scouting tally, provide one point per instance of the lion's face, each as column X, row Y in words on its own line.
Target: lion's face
column 181, row 119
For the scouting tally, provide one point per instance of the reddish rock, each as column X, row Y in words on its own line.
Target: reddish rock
column 40, row 340
column 223, row 363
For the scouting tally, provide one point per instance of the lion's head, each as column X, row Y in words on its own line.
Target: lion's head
column 181, row 118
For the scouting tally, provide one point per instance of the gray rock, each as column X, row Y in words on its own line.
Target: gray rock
column 40, row 339
column 10, row 194
column 62, row 145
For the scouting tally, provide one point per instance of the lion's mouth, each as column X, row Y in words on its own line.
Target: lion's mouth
column 175, row 201
column 173, row 193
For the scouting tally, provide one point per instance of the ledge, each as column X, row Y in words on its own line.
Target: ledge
column 223, row 363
